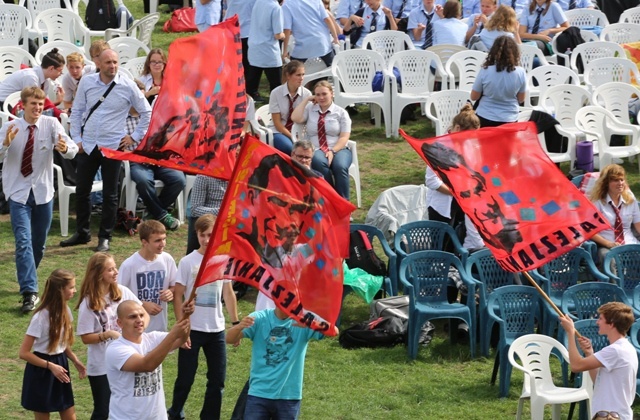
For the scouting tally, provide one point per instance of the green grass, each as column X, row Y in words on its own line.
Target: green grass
column 442, row 383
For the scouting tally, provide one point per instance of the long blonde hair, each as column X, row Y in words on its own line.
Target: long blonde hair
column 503, row 19
column 601, row 189
column 92, row 283
column 60, row 325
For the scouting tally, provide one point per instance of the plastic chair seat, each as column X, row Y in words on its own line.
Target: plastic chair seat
column 64, row 194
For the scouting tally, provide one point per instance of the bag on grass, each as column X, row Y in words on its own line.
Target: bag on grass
column 362, row 283
column 380, row 332
column 396, row 306
column 128, row 221
column 101, row 15
column 181, row 20
column 362, row 255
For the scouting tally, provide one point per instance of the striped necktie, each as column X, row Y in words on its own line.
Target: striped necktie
column 428, row 36
column 536, row 24
column 374, row 22
column 573, row 4
column 26, row 168
column 404, row 4
column 617, row 226
column 322, row 132
column 289, row 123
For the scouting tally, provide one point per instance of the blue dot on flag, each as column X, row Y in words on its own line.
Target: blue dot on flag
column 334, row 272
column 527, row 214
column 243, row 195
column 217, row 88
column 320, row 264
column 486, row 169
column 574, row 204
column 198, row 94
column 510, row 198
column 317, row 217
column 496, row 182
column 551, row 207
column 319, row 247
column 240, row 225
column 306, row 250
column 245, row 213
column 310, row 233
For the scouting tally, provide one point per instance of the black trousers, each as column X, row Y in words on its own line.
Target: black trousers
column 86, row 169
column 251, row 75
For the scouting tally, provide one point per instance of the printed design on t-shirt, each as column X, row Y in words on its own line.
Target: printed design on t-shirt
column 147, row 383
column 208, row 295
column 149, row 284
column 107, row 318
column 278, row 344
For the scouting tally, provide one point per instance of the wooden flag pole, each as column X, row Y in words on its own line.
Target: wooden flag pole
column 546, row 297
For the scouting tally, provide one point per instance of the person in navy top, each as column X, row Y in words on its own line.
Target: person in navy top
column 375, row 17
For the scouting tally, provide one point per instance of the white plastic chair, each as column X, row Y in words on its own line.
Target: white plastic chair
column 590, row 51
column 556, row 157
column 61, row 25
column 463, row 67
column 417, row 80
column 543, row 77
column 387, row 43
column 442, row 106
column 315, row 69
column 128, row 48
column 15, row 22
column 630, row 16
column 64, row 192
column 563, row 101
column 603, row 70
column 36, row 7
column 129, row 193
column 10, row 102
column 615, row 97
column 586, row 17
column 190, row 180
column 64, row 48
column 621, row 33
column 588, row 36
column 599, row 125
column 528, row 53
column 11, row 58
column 298, row 133
column 96, row 32
column 445, row 51
column 141, row 29
column 135, row 66
column 353, row 72
column 534, row 351
column 262, row 123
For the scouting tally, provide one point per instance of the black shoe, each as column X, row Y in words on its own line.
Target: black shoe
column 76, row 239
column 29, row 302
column 103, row 245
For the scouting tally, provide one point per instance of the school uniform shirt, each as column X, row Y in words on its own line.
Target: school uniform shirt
column 335, row 122
column 92, row 322
column 580, row 4
column 18, row 187
column 39, row 330
column 472, row 239
column 279, row 102
column 489, row 37
column 347, row 8
column 147, row 279
column 471, row 21
column 208, row 14
column 381, row 23
column 629, row 213
column 21, row 79
column 266, row 21
column 243, row 9
column 305, row 20
column 552, row 19
column 70, row 85
column 396, row 7
column 438, row 201
column 419, row 16
column 499, row 93
column 207, row 316
column 520, row 5
column 449, row 31
column 135, row 395
column 470, row 7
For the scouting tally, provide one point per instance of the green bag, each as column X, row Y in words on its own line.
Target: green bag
column 364, row 284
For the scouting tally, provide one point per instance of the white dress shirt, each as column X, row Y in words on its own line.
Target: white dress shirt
column 629, row 213
column 21, row 79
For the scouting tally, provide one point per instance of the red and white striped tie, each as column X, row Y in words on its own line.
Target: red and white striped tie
column 322, row 133
column 617, row 226
column 26, row 168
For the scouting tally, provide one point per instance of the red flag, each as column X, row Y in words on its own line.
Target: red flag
column 283, row 230
column 198, row 116
column 525, row 209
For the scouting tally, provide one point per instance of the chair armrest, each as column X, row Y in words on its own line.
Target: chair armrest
column 541, row 280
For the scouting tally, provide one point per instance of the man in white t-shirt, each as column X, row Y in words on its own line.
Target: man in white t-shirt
column 613, row 369
column 134, row 364
column 151, row 273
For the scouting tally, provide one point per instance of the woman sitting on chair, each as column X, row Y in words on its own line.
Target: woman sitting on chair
column 152, row 73
column 503, row 23
column 328, row 128
column 615, row 201
column 541, row 22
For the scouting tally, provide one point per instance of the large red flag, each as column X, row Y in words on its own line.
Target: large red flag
column 525, row 209
column 198, row 115
column 285, row 231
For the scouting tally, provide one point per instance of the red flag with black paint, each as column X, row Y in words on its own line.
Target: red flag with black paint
column 198, row 116
column 524, row 207
column 284, row 230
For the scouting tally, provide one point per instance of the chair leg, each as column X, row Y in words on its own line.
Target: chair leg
column 555, row 411
column 505, row 374
column 520, row 407
column 537, row 411
column 63, row 204
column 496, row 365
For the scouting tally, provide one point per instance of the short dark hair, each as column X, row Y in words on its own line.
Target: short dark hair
column 150, row 227
column 52, row 58
column 303, row 144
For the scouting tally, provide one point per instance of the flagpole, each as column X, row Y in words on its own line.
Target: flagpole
column 191, row 298
column 546, row 297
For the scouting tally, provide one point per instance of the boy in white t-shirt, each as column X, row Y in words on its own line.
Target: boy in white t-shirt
column 207, row 328
column 613, row 369
column 151, row 273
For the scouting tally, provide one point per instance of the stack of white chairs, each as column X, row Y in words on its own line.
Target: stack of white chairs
column 590, row 51
column 11, row 58
column 15, row 23
column 443, row 106
column 630, row 16
column 463, row 67
column 61, row 25
column 543, row 77
column 128, row 48
column 140, row 29
column 586, row 18
column 621, row 33
column 604, row 70
column 95, row 32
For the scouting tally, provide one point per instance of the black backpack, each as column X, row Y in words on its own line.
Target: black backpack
column 362, row 255
column 381, row 332
column 101, row 14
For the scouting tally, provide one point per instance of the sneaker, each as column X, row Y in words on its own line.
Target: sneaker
column 29, row 302
column 170, row 222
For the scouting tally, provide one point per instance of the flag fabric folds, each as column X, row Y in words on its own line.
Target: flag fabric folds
column 198, row 116
column 284, row 230
column 525, row 209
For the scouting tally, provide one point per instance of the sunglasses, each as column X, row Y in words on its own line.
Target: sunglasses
column 606, row 415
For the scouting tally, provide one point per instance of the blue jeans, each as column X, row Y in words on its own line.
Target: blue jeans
column 30, row 223
column 282, row 143
column 263, row 408
column 338, row 173
column 145, row 175
column 215, row 352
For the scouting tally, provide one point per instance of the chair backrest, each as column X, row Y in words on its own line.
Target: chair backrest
column 517, row 308
column 422, row 236
column 11, row 58
column 36, row 7
column 10, row 102
column 621, row 33
column 564, row 101
column 354, row 70
column 443, row 106
column 387, row 43
column 633, row 335
column 445, row 51
column 603, row 70
column 61, row 25
column 630, row 16
column 533, row 351
column 143, row 29
column 528, row 53
column 544, row 77
column 627, row 266
column 15, row 22
column 563, row 271
column 586, row 17
column 590, row 51
column 263, row 115
column 428, row 273
column 592, row 120
column 135, row 66
column 64, row 48
column 464, row 66
column 615, row 97
column 414, row 67
column 583, row 300
column 128, row 48
column 483, row 267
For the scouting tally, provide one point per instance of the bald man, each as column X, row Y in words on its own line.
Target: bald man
column 134, row 364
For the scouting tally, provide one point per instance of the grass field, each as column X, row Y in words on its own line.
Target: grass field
column 443, row 383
